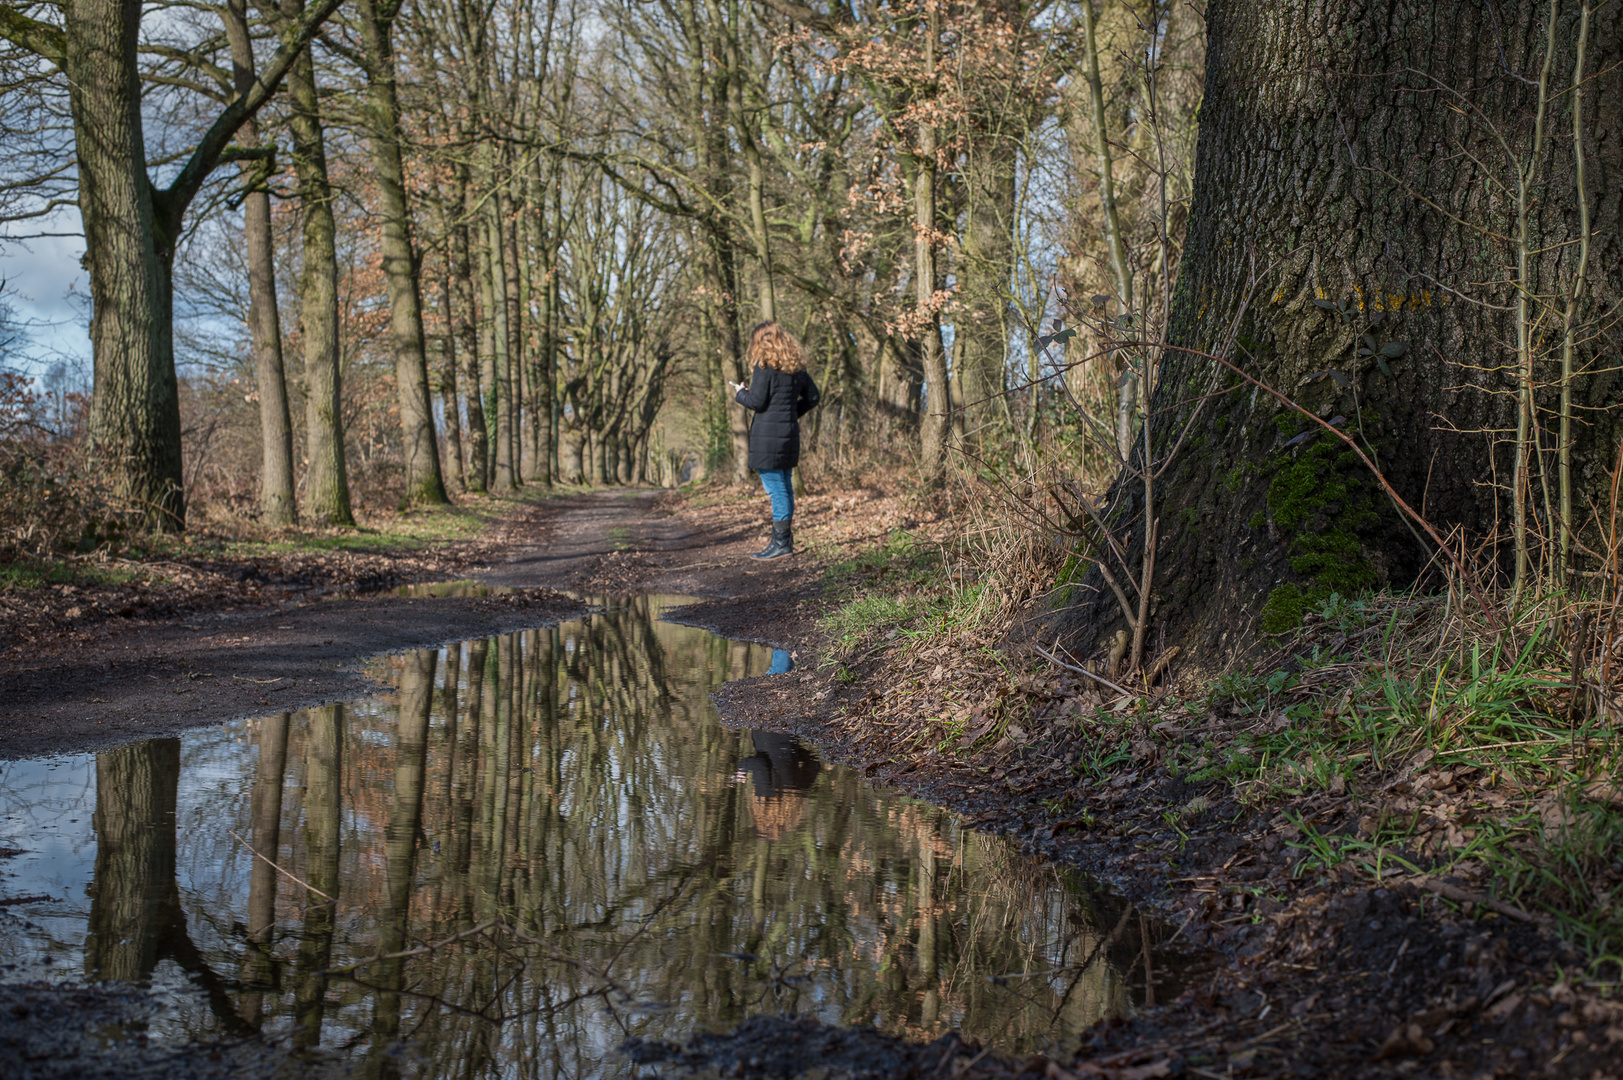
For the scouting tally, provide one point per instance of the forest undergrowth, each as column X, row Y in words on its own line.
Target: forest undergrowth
column 1393, row 740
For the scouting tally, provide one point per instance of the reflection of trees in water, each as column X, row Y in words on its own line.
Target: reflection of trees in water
column 572, row 785
column 136, row 918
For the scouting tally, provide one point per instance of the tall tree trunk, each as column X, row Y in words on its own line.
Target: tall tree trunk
column 276, row 501
column 1089, row 128
column 491, row 347
column 721, row 291
column 542, row 364
column 134, row 425
column 450, row 400
column 1338, row 194
column 425, row 484
column 472, row 332
column 326, row 478
column 513, row 290
column 986, row 282
column 505, row 476
column 938, row 391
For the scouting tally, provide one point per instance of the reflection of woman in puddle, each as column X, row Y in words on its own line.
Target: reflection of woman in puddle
column 781, row 771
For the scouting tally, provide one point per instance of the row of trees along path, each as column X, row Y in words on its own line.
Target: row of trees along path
column 553, row 223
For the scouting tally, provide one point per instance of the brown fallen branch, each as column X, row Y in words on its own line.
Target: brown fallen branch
column 1462, row 896
column 1080, row 670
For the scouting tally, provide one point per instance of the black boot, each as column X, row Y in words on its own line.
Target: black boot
column 783, row 541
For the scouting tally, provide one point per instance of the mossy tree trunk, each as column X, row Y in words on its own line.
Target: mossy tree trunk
column 276, row 500
column 986, row 273
column 326, row 480
column 1349, row 155
column 425, row 484
column 131, row 231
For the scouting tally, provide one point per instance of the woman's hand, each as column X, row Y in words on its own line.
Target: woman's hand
column 735, row 386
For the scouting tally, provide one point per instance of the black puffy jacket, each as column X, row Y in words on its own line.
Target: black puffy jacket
column 779, row 400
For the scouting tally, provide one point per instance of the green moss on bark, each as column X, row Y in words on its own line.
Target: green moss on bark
column 1320, row 501
column 1283, row 610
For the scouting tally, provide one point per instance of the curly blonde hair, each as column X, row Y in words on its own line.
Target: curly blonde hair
column 774, row 347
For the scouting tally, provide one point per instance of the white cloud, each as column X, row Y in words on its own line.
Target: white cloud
column 46, row 288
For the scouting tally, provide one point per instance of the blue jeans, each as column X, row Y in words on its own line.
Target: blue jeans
column 781, row 489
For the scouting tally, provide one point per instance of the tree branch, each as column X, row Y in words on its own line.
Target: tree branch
column 804, row 14
column 40, row 38
column 179, row 194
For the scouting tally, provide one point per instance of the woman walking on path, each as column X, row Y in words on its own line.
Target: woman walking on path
column 780, row 393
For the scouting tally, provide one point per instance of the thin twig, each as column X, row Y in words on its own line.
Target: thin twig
column 285, row 873
column 419, row 951
column 1082, row 671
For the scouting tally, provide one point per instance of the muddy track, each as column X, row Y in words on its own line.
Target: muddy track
column 132, row 681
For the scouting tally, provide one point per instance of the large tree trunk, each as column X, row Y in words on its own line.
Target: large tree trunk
column 134, row 423
column 326, row 478
column 1347, row 154
column 513, row 288
column 490, row 359
column 425, row 484
column 543, row 366
column 276, row 501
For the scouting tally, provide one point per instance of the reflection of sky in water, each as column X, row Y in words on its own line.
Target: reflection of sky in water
column 635, row 831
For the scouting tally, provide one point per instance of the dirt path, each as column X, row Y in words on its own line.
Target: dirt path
column 134, row 680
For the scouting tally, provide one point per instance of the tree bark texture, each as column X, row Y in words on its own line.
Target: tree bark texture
column 504, row 477
column 450, row 399
column 513, row 286
column 544, row 285
column 425, row 484
column 490, row 350
column 1350, row 155
column 326, row 478
column 277, row 505
column 986, row 276
column 937, row 419
column 134, row 425
column 472, row 334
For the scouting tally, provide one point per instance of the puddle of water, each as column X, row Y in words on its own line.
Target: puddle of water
column 435, row 590
column 537, row 845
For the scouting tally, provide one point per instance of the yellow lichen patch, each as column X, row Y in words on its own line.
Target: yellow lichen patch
column 1392, row 301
